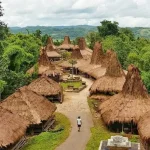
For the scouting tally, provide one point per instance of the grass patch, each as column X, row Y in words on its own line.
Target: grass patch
column 100, row 132
column 74, row 84
column 50, row 140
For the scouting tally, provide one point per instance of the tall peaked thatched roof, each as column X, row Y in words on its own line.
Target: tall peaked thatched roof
column 12, row 127
column 43, row 59
column 66, row 40
column 49, row 48
column 76, row 54
column 97, row 55
column 113, row 80
column 45, row 86
column 50, row 41
column 85, row 51
column 134, row 85
column 50, row 45
column 144, row 127
column 130, row 104
column 114, row 68
column 82, row 43
column 66, row 44
column 29, row 105
column 44, row 64
column 51, row 51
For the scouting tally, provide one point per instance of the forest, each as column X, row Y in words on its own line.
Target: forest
column 20, row 51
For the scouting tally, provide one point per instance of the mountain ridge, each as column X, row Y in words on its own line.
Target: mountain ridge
column 58, row 32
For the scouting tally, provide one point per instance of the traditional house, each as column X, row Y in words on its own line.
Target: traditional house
column 144, row 131
column 48, row 88
column 51, row 51
column 122, row 111
column 96, row 60
column 66, row 45
column 46, row 67
column 112, row 81
column 31, row 107
column 85, row 51
column 12, row 128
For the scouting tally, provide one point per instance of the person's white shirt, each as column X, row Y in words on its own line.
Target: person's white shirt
column 79, row 122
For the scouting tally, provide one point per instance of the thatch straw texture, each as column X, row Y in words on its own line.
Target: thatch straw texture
column 144, row 127
column 97, row 72
column 66, row 45
column 29, row 105
column 88, row 67
column 12, row 127
column 82, row 43
column 130, row 104
column 76, row 54
column 113, row 80
column 45, row 86
column 85, row 51
column 50, row 44
column 50, row 41
column 45, row 66
column 52, row 54
column 97, row 55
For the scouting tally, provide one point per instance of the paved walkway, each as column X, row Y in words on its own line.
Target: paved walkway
column 74, row 105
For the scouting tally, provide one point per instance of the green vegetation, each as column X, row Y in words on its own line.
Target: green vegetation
column 51, row 140
column 74, row 84
column 129, row 49
column 99, row 131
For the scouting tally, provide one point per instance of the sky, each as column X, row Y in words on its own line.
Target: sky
column 128, row 13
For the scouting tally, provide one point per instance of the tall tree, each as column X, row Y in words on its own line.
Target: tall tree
column 108, row 28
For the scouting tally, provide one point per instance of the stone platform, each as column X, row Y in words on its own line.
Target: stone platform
column 134, row 146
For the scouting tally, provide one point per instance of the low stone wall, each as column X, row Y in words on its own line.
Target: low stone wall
column 76, row 89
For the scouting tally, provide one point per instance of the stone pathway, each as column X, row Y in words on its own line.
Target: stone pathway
column 74, row 105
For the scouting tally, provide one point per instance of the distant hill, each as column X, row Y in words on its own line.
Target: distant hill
column 58, row 32
column 141, row 32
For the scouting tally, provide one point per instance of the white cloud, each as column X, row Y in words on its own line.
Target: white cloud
column 74, row 12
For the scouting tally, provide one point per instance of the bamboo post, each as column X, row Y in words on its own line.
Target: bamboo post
column 122, row 127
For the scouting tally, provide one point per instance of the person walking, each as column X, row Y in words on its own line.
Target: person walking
column 79, row 123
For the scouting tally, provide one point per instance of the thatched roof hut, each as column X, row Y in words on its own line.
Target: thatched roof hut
column 66, row 45
column 76, row 54
column 144, row 127
column 29, row 105
column 45, row 66
column 12, row 127
column 96, row 60
column 112, row 81
column 130, row 104
column 45, row 86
